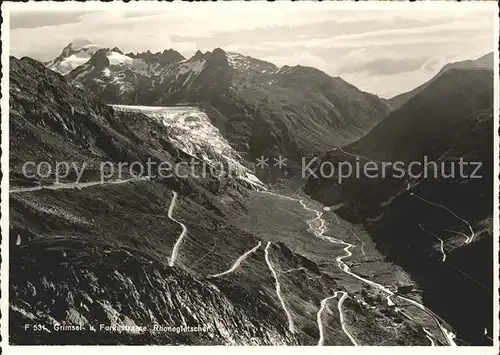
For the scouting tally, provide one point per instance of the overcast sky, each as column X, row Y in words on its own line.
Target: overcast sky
column 385, row 53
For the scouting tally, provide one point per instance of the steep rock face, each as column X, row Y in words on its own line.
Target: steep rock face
column 123, row 78
column 84, row 293
column 421, row 123
column 413, row 241
column 100, row 59
column 162, row 58
column 42, row 104
column 259, row 108
column 424, row 127
column 484, row 62
column 449, row 120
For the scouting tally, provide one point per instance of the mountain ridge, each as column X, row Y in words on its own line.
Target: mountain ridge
column 448, row 121
column 261, row 109
column 484, row 62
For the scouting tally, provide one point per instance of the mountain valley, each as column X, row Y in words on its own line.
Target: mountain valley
column 241, row 255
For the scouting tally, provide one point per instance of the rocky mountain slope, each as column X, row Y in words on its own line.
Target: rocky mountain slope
column 432, row 226
column 105, row 262
column 259, row 108
column 58, row 240
column 484, row 62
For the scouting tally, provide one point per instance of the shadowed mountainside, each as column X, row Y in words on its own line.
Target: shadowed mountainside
column 484, row 62
column 449, row 121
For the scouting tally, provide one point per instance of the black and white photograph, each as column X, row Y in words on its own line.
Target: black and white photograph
column 250, row 174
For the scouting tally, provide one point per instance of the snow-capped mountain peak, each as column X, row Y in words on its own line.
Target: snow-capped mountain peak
column 244, row 63
column 244, row 83
column 80, row 42
column 73, row 55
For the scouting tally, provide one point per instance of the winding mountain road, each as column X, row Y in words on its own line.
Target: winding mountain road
column 341, row 316
column 291, row 326
column 317, row 226
column 319, row 320
column 468, row 239
column 75, row 185
column 81, row 185
column 238, row 262
column 429, row 336
column 356, row 155
column 177, row 245
column 319, row 230
column 342, row 322
column 443, row 259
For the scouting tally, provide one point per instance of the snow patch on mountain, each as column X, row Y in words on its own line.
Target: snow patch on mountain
column 237, row 61
column 70, row 63
column 249, row 71
column 72, row 57
column 80, row 43
column 192, row 132
column 116, row 58
column 195, row 67
column 244, row 64
column 120, row 80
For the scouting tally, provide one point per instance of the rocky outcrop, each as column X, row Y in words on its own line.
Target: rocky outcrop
column 68, row 284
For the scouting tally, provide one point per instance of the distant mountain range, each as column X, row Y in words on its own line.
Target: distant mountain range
column 261, row 109
column 484, row 62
